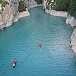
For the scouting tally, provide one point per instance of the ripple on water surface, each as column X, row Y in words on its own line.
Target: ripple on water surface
column 20, row 40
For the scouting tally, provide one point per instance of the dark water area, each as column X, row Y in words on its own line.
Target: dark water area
column 20, row 42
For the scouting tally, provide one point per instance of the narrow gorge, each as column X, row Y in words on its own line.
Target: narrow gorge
column 9, row 13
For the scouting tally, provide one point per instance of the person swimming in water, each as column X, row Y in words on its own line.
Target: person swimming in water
column 39, row 44
column 44, row 22
column 14, row 63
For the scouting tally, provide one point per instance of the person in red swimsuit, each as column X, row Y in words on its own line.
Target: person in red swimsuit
column 39, row 44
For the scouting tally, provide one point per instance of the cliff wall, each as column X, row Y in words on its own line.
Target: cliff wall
column 72, row 21
column 73, row 41
column 10, row 14
column 56, row 13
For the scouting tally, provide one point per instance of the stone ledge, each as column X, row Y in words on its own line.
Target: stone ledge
column 56, row 13
column 24, row 14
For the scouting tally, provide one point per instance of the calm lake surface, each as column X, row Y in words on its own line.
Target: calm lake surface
column 20, row 42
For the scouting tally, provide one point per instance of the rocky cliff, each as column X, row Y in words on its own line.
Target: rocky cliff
column 72, row 21
column 10, row 14
column 73, row 41
column 32, row 3
column 56, row 13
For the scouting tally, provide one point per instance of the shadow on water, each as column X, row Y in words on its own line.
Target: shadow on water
column 74, row 60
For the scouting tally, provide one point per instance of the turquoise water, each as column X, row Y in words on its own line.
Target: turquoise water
column 19, row 42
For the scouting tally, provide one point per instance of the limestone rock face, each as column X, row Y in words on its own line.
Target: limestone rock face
column 56, row 13
column 10, row 13
column 32, row 3
column 23, row 14
column 73, row 41
column 0, row 18
column 44, row 4
column 71, row 20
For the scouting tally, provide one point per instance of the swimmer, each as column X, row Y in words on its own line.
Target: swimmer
column 44, row 22
column 14, row 63
column 39, row 44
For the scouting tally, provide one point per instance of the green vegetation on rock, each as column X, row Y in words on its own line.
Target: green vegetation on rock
column 63, row 5
column 74, row 27
column 0, row 1
column 4, row 3
column 22, row 6
column 72, row 8
column 38, row 1
column 50, row 4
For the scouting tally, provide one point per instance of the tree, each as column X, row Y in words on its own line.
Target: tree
column 4, row 3
column 64, row 5
column 22, row 6
column 0, row 1
column 38, row 1
column 61, row 5
column 72, row 8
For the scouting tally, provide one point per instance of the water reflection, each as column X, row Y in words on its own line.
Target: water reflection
column 74, row 60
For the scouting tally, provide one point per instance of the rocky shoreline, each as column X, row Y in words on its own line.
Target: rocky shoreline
column 10, row 21
column 70, row 20
column 10, row 13
column 73, row 41
column 24, row 14
column 56, row 13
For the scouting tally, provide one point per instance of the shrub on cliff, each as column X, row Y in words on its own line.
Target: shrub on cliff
column 74, row 27
column 4, row 3
column 22, row 6
column 38, row 1
column 50, row 4
column 61, row 5
column 0, row 1
column 72, row 8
